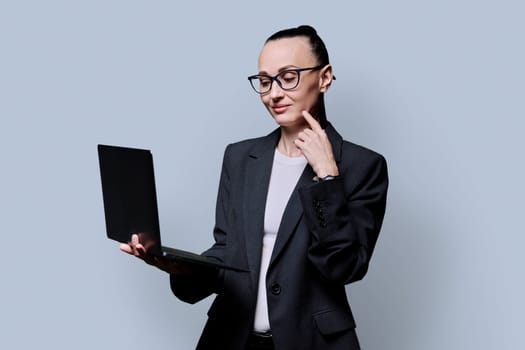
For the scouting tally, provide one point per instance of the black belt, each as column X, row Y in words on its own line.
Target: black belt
column 260, row 341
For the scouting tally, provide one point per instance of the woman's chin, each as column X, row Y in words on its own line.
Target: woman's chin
column 288, row 120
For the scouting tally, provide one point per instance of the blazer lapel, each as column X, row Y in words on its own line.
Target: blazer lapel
column 294, row 209
column 292, row 213
column 258, row 171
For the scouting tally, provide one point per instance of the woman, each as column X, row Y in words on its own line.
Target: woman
column 300, row 209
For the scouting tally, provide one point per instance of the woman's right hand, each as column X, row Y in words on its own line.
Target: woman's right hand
column 134, row 247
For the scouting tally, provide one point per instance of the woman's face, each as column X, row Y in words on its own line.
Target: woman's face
column 292, row 53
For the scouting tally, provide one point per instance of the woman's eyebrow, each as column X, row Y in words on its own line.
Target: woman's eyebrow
column 290, row 66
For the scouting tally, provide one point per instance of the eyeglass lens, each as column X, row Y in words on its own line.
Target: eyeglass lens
column 287, row 80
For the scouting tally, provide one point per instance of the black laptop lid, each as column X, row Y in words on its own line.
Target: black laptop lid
column 129, row 194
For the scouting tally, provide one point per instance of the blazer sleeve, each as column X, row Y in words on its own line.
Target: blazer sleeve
column 205, row 281
column 344, row 217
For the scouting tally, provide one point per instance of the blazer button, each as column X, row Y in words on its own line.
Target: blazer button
column 276, row 288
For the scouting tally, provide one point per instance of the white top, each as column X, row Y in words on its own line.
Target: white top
column 285, row 174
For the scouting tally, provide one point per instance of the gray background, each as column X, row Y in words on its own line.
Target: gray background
column 436, row 86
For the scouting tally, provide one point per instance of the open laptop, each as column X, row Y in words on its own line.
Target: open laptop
column 130, row 203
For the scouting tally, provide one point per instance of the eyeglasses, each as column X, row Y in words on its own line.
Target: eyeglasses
column 287, row 79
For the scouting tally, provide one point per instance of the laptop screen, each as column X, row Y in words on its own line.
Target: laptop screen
column 129, row 194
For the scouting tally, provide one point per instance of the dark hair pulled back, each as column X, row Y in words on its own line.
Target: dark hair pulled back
column 317, row 45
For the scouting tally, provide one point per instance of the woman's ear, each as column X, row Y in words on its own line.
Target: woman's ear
column 325, row 78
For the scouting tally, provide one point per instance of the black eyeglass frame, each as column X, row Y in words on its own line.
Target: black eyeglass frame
column 275, row 78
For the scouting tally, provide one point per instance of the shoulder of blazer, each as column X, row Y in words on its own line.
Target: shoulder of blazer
column 346, row 151
column 360, row 156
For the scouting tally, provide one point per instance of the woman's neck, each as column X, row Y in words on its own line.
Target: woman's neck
column 286, row 143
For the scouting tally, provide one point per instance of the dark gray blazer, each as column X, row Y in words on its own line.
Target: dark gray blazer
column 325, row 241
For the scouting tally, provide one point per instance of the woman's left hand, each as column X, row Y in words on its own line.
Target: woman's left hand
column 316, row 148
